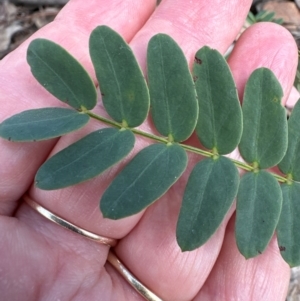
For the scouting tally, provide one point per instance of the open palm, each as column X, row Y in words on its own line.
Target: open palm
column 42, row 261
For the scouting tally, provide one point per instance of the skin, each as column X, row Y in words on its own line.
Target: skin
column 43, row 261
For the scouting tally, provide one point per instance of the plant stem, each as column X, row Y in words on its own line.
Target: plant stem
column 196, row 150
column 151, row 136
column 120, row 126
column 280, row 178
column 104, row 120
column 189, row 148
column 242, row 165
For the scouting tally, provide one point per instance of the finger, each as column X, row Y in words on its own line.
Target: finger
column 43, row 261
column 192, row 24
column 265, row 52
column 265, row 277
column 293, row 98
column 232, row 275
column 20, row 91
column 178, row 276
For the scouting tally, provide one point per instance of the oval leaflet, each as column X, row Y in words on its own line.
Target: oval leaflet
column 42, row 124
column 85, row 159
column 220, row 123
column 174, row 106
column 210, row 191
column 146, row 177
column 123, row 87
column 61, row 74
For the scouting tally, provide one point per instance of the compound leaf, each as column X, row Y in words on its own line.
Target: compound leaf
column 288, row 233
column 290, row 163
column 42, row 124
column 259, row 202
column 211, row 189
column 220, row 122
column 61, row 74
column 147, row 177
column 85, row 159
column 264, row 139
column 123, row 87
column 174, row 104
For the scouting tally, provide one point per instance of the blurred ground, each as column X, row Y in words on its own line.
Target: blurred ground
column 20, row 18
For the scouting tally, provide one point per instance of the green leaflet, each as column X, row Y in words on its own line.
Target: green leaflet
column 61, row 74
column 85, row 159
column 290, row 163
column 174, row 104
column 264, row 139
column 288, row 233
column 123, row 88
column 220, row 122
column 42, row 124
column 147, row 177
column 211, row 189
column 259, row 203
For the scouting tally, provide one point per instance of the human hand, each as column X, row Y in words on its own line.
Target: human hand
column 42, row 261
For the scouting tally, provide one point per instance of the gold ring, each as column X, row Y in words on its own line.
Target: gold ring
column 67, row 225
column 137, row 285
column 112, row 258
